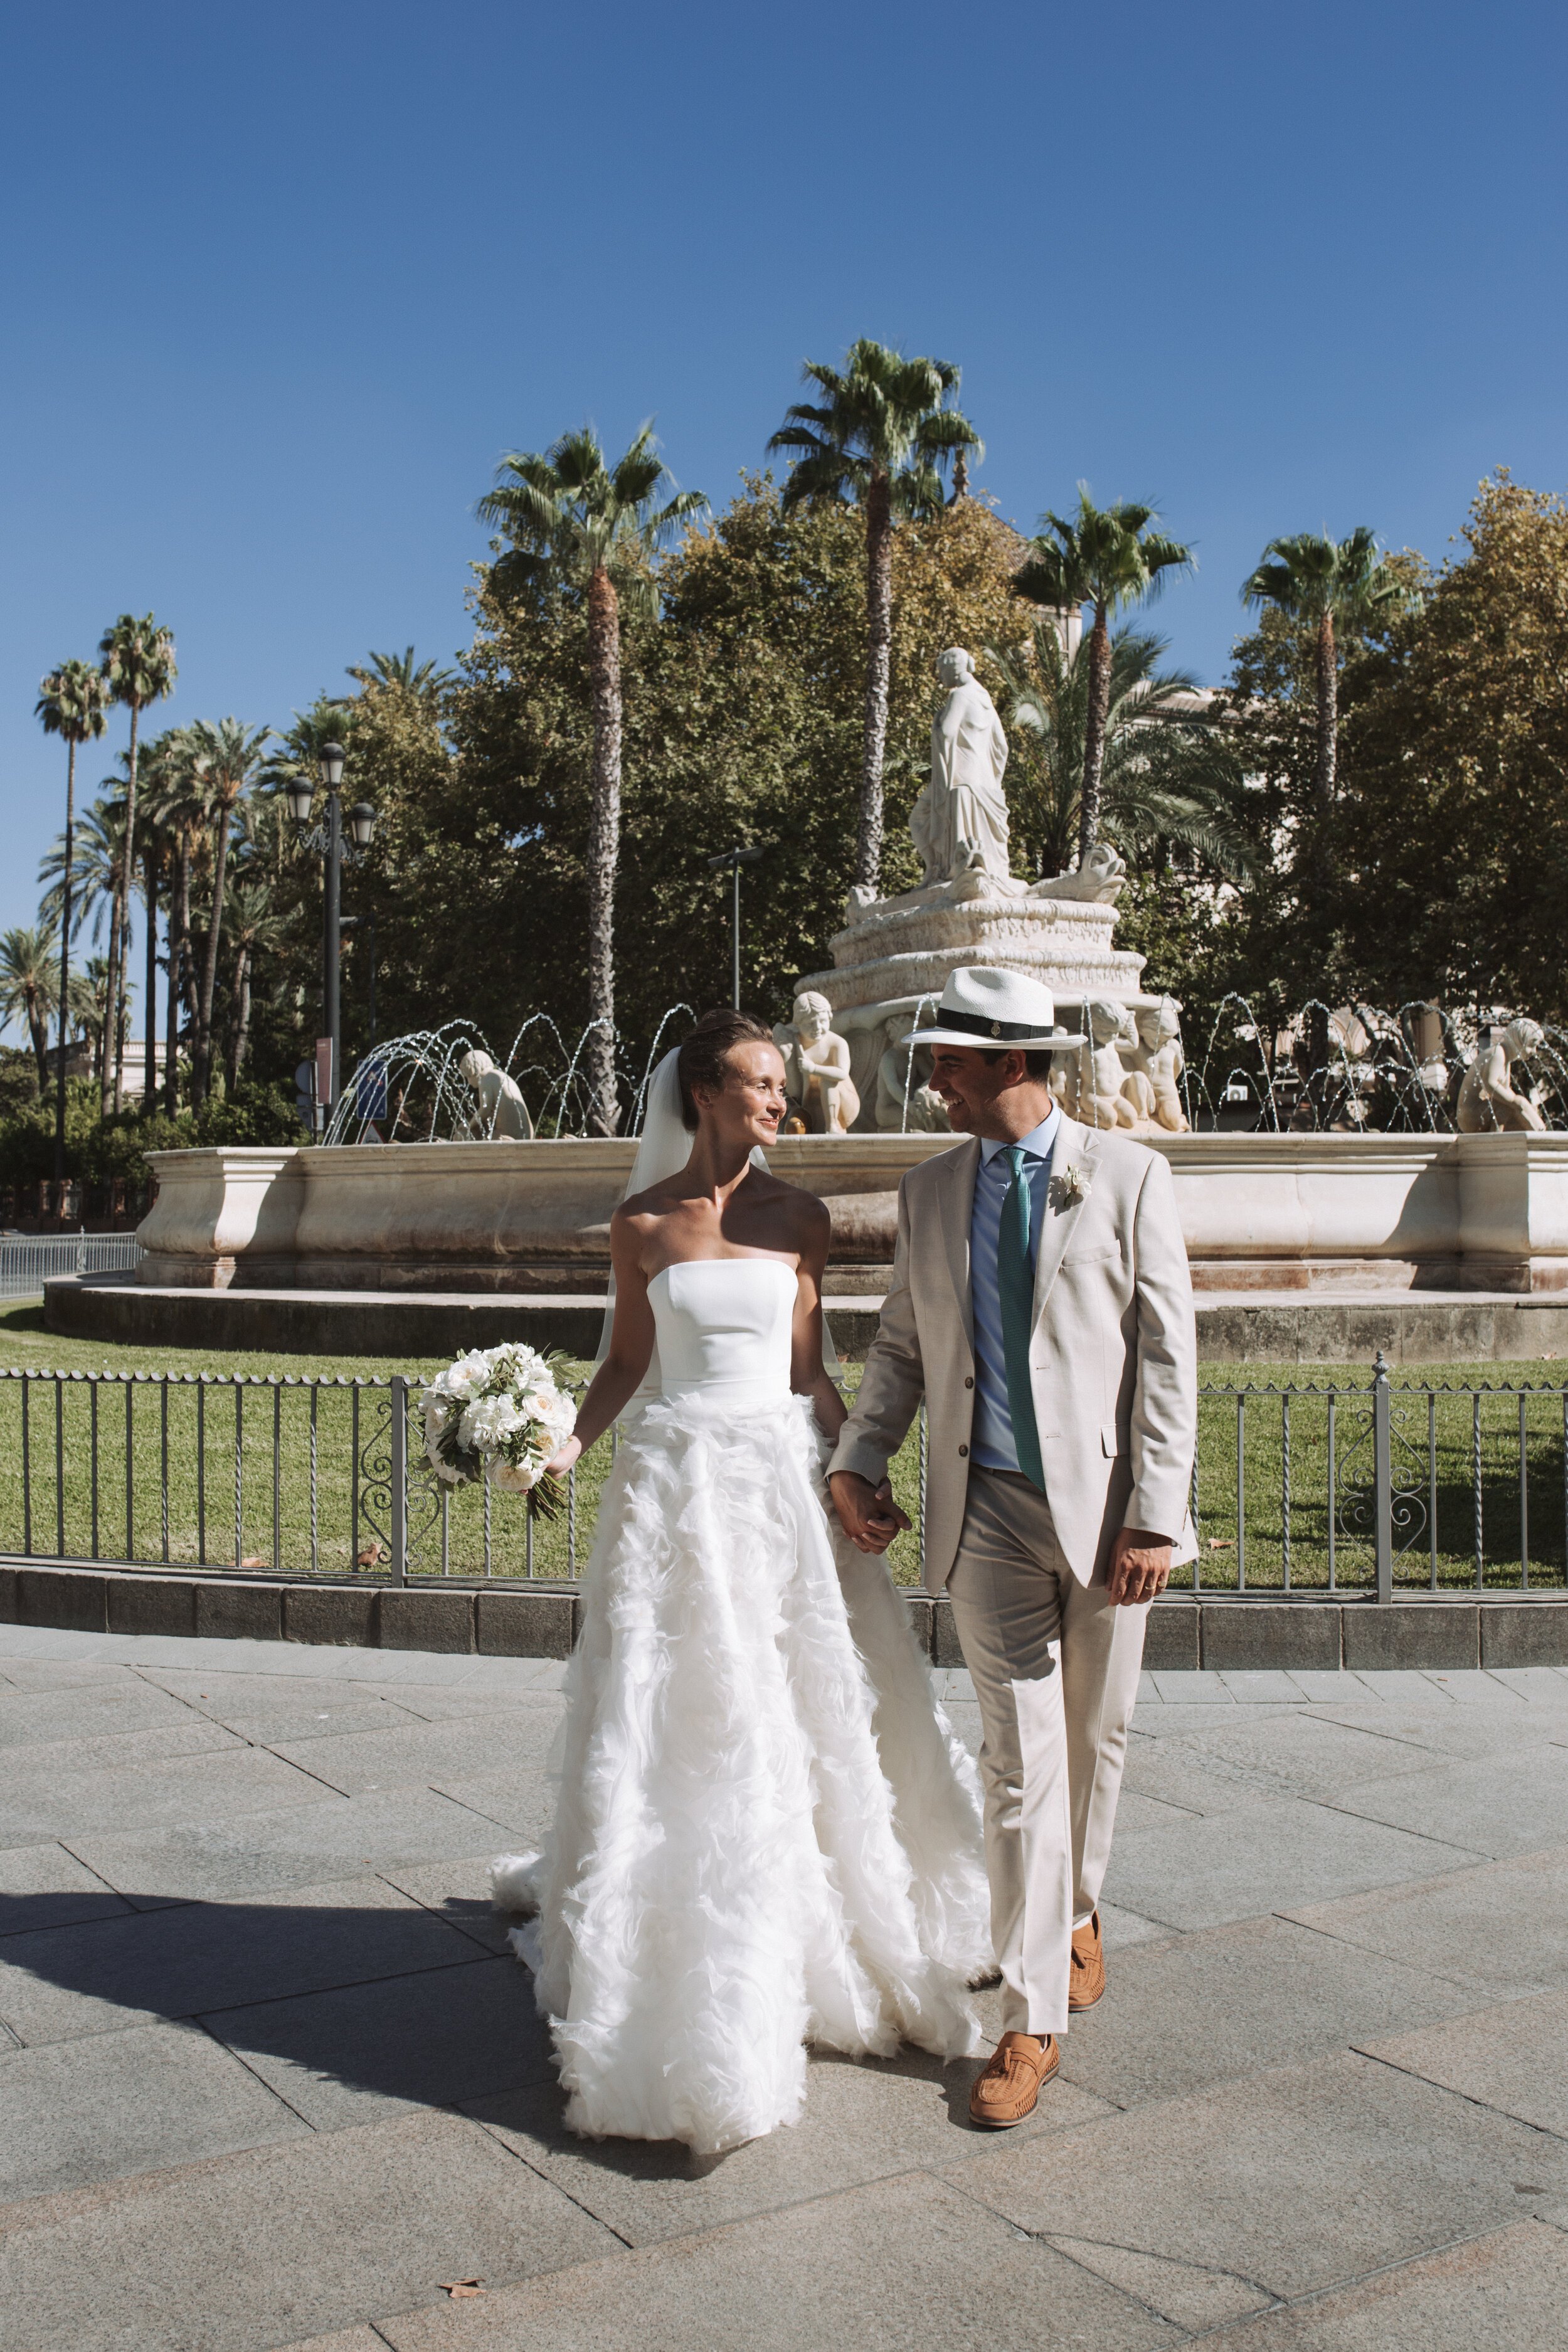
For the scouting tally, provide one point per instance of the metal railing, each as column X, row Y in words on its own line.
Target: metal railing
column 1387, row 1487
column 28, row 1260
column 1379, row 1489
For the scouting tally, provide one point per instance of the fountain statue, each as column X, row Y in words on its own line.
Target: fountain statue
column 905, row 1107
column 960, row 822
column 499, row 1112
column 822, row 1094
column 1153, row 1083
column 1487, row 1098
column 1098, row 882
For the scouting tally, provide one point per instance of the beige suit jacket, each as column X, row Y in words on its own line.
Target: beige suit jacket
column 1114, row 1357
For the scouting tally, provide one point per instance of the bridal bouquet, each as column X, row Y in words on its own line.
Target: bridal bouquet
column 498, row 1414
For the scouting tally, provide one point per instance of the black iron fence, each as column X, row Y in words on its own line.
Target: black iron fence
column 1384, row 1488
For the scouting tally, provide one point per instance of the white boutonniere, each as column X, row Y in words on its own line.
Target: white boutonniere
column 1069, row 1186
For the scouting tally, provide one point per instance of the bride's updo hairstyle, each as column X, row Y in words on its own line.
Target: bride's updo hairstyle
column 703, row 1059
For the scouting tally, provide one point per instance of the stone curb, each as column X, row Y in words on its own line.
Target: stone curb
column 540, row 1621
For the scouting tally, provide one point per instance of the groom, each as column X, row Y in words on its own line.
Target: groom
column 1040, row 1301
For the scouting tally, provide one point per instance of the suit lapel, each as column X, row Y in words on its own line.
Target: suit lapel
column 957, row 1207
column 1076, row 1147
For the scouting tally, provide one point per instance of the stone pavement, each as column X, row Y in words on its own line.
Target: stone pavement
column 269, row 2077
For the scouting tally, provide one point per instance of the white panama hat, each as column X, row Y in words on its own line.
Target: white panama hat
column 985, row 1007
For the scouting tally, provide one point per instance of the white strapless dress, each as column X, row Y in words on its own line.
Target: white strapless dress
column 766, row 1834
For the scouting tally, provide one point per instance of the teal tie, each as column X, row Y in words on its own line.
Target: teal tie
column 1016, row 1282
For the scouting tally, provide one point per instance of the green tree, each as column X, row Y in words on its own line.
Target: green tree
column 579, row 526
column 138, row 663
column 255, row 928
column 401, row 670
column 1108, row 557
column 30, row 988
column 879, row 438
column 229, row 758
column 1167, row 774
column 72, row 704
column 1324, row 585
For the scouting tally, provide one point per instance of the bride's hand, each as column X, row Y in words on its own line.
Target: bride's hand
column 559, row 1463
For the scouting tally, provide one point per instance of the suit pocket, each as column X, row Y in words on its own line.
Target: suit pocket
column 1110, row 1440
column 1090, row 1257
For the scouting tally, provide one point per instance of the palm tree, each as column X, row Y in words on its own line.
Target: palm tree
column 137, row 661
column 96, row 847
column 400, row 670
column 183, row 805
column 229, row 759
column 1318, row 582
column 30, row 988
column 1166, row 777
column 90, row 1004
column 586, row 529
column 72, row 704
column 1107, row 557
column 256, row 929
column 879, row 439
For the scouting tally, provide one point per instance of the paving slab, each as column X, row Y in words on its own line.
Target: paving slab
column 79, row 2111
column 177, row 1962
column 1276, row 1853
column 1513, row 2057
column 1246, row 1682
column 1471, row 1732
column 1184, row 2292
column 49, row 1763
column 459, row 1893
column 862, row 2123
column 1298, row 2179
column 289, row 2241
column 1299, row 1755
column 1494, row 1924
column 423, row 1753
column 301, row 1845
column 520, row 1803
column 1491, row 1808
column 893, row 2264
column 43, row 1885
column 1505, row 2291
column 51, row 1802
column 86, row 1710
column 274, row 1709
column 349, row 2056
column 1208, row 2008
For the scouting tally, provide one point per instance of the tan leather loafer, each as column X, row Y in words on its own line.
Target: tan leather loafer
column 1086, row 1980
column 1010, row 2083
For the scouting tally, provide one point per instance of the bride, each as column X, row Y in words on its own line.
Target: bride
column 766, row 1834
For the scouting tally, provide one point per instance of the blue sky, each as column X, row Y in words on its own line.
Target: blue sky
column 281, row 286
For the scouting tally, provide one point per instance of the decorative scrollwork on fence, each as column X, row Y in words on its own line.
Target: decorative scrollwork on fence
column 1355, row 1501
column 374, row 1470
column 422, row 1488
column 1408, row 1472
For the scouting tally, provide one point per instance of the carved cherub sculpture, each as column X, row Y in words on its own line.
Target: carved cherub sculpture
column 1106, row 1102
column 1156, row 1063
column 1487, row 1098
column 816, row 1067
column 903, row 1105
column 499, row 1110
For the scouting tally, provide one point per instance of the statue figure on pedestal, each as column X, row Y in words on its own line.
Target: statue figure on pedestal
column 1098, row 880
column 1156, row 1065
column 499, row 1112
column 1105, row 1104
column 903, row 1105
column 960, row 822
column 1487, row 1098
column 816, row 1068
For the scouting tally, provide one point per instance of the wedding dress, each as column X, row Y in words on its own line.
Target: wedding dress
column 766, row 1835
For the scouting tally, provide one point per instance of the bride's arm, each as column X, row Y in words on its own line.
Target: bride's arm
column 631, row 1349
column 808, row 1374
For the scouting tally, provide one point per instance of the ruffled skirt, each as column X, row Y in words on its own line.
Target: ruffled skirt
column 766, row 1834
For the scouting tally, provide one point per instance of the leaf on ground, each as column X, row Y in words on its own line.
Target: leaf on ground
column 1222, row 1543
column 370, row 1557
column 457, row 2288
column 254, row 1559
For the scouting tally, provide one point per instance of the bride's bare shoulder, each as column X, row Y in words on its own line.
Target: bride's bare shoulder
column 803, row 1213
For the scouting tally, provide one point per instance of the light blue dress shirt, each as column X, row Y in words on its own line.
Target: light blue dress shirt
column 991, row 1440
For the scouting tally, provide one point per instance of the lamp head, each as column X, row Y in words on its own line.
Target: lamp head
column 300, row 792
column 361, row 824
column 329, row 760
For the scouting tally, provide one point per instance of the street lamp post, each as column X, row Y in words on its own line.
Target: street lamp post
column 328, row 843
column 734, row 859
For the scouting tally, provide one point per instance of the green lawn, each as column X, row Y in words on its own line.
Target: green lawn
column 291, row 1411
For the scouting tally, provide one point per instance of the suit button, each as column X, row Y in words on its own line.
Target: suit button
column 962, row 1451
column 969, row 1381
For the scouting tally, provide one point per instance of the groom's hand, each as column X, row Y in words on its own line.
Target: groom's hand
column 868, row 1514
column 1139, row 1565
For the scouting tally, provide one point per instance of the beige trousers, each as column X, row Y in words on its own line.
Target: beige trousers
column 1055, row 1666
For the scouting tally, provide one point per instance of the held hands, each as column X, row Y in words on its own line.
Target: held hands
column 868, row 1514
column 1139, row 1565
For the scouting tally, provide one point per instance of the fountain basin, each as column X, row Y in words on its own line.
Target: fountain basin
column 1334, row 1214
